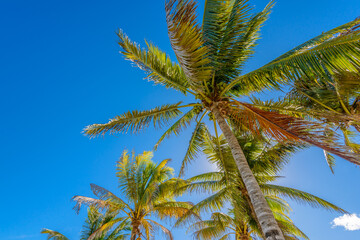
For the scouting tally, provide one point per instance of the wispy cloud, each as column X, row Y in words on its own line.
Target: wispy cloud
column 350, row 222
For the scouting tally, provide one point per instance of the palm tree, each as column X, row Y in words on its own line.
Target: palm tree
column 148, row 188
column 211, row 58
column 265, row 160
column 321, row 100
column 98, row 226
column 222, row 226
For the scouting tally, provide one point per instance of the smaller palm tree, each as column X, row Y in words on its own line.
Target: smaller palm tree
column 149, row 189
column 265, row 159
column 98, row 226
column 223, row 226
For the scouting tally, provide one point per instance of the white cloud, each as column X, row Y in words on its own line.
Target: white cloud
column 350, row 222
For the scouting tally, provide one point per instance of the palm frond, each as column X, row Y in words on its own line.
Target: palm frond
column 101, row 204
column 330, row 160
column 104, row 228
column 135, row 120
column 341, row 30
column 179, row 125
column 166, row 231
column 194, row 146
column 53, row 234
column 186, row 40
column 338, row 54
column 230, row 45
column 106, row 195
column 300, row 196
column 157, row 64
column 287, row 128
column 240, row 37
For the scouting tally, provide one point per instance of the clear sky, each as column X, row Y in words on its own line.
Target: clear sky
column 60, row 70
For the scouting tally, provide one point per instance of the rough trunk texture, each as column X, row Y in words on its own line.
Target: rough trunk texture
column 263, row 212
column 135, row 232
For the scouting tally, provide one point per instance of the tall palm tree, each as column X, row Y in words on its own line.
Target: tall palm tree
column 265, row 160
column 148, row 188
column 210, row 58
column 98, row 226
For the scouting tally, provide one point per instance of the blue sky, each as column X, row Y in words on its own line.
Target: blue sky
column 61, row 70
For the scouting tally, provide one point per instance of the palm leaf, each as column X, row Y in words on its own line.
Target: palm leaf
column 287, row 128
column 300, row 196
column 179, row 125
column 135, row 120
column 194, row 146
column 338, row 54
column 53, row 234
column 157, row 64
column 186, row 40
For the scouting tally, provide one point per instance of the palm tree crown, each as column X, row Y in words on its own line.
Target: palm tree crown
column 265, row 159
column 148, row 188
column 98, row 226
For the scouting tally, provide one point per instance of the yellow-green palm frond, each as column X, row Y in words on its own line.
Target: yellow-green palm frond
column 216, row 16
column 53, row 235
column 136, row 121
column 179, row 125
column 195, row 143
column 290, row 230
column 333, row 54
column 203, row 186
column 341, row 30
column 330, row 160
column 214, row 202
column 300, row 196
column 187, row 41
column 157, row 226
column 105, row 228
column 172, row 209
column 157, row 64
column 230, row 34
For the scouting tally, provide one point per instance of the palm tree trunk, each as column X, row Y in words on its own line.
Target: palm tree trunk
column 135, row 232
column 263, row 212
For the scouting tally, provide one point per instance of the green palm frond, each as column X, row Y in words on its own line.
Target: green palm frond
column 194, row 147
column 157, row 64
column 136, row 120
column 291, row 231
column 203, row 187
column 215, row 19
column 102, row 230
column 341, row 30
column 240, row 38
column 53, row 235
column 338, row 54
column 230, row 44
column 214, row 202
column 330, row 160
column 186, row 40
column 300, row 196
column 179, row 125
